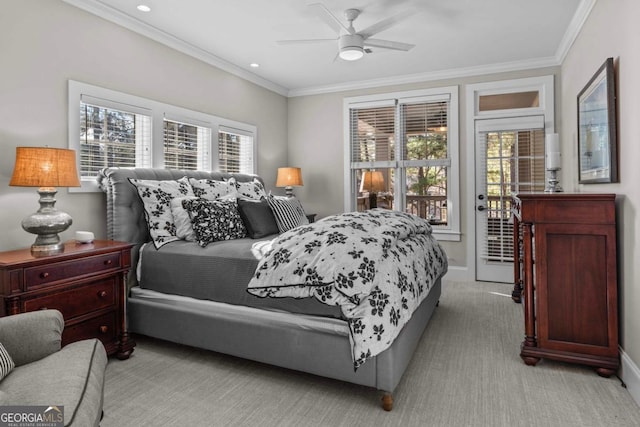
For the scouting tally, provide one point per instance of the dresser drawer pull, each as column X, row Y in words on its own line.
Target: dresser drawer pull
column 44, row 275
column 104, row 329
column 108, row 262
column 102, row 294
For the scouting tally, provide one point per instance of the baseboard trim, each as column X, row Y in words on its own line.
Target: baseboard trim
column 630, row 374
column 458, row 274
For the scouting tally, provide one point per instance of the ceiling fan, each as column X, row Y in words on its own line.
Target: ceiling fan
column 352, row 44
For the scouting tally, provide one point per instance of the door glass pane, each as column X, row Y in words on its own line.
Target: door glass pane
column 514, row 163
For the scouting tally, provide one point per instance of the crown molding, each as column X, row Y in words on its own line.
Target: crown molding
column 104, row 11
column 429, row 76
column 579, row 18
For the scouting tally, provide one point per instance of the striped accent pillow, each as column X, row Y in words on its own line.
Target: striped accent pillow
column 288, row 212
column 6, row 362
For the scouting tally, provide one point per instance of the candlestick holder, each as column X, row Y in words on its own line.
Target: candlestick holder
column 553, row 184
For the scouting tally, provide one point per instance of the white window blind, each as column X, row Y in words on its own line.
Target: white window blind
column 186, row 146
column 235, row 151
column 372, row 136
column 112, row 137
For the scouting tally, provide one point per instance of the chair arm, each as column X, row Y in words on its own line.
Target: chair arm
column 31, row 336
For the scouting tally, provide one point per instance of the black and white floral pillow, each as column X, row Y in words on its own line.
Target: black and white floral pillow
column 253, row 190
column 212, row 189
column 214, row 220
column 156, row 197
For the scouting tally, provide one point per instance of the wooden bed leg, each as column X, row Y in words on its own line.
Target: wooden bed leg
column 387, row 401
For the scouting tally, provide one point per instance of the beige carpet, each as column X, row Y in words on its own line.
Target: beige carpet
column 465, row 372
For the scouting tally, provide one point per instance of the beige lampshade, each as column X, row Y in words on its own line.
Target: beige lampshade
column 45, row 167
column 289, row 177
column 372, row 182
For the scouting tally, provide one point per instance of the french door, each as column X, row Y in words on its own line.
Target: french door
column 509, row 159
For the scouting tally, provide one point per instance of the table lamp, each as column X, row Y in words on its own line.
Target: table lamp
column 372, row 182
column 46, row 168
column 289, row 178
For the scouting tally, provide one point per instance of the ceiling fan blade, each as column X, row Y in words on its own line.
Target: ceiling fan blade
column 388, row 44
column 305, row 41
column 384, row 24
column 329, row 18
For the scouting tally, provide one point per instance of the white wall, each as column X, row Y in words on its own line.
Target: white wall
column 44, row 43
column 612, row 30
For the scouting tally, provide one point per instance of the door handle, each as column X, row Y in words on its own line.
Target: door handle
column 481, row 208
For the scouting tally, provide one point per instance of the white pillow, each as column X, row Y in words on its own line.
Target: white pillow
column 212, row 189
column 288, row 212
column 184, row 230
column 156, row 197
column 253, row 190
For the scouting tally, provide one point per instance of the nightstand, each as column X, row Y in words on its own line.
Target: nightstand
column 311, row 218
column 87, row 283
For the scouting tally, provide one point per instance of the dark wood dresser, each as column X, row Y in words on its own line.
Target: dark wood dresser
column 565, row 261
column 86, row 283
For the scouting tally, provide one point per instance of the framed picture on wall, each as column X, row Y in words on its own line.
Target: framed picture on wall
column 597, row 137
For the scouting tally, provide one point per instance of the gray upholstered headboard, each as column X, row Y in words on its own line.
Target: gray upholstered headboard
column 125, row 213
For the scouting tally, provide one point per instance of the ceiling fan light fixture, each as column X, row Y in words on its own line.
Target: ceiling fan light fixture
column 351, row 47
column 351, row 53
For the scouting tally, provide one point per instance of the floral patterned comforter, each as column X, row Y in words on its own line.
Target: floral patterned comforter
column 376, row 265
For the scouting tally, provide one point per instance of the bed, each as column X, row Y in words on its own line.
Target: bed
column 177, row 293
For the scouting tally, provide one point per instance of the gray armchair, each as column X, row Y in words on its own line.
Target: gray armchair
column 45, row 374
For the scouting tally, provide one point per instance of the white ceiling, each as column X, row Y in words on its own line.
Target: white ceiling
column 452, row 37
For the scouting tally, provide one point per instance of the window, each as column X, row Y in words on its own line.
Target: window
column 235, row 151
column 109, row 128
column 402, row 154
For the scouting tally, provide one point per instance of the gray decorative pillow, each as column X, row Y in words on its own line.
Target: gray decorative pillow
column 211, row 189
column 288, row 212
column 214, row 220
column 6, row 362
column 156, row 197
column 250, row 190
column 258, row 218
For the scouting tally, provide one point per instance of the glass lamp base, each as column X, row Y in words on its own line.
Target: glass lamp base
column 46, row 223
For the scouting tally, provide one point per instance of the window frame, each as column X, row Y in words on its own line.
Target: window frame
column 452, row 231
column 158, row 111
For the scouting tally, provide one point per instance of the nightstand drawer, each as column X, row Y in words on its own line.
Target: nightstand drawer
column 67, row 270
column 102, row 327
column 77, row 301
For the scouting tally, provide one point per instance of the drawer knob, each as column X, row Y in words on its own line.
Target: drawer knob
column 103, row 329
column 102, row 294
column 108, row 262
column 44, row 275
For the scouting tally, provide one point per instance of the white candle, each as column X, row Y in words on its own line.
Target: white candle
column 553, row 143
column 553, row 161
column 552, row 148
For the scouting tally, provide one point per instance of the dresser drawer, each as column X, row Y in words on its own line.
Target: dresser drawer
column 78, row 301
column 103, row 327
column 67, row 270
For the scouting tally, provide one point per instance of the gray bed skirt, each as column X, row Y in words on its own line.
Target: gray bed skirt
column 310, row 344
